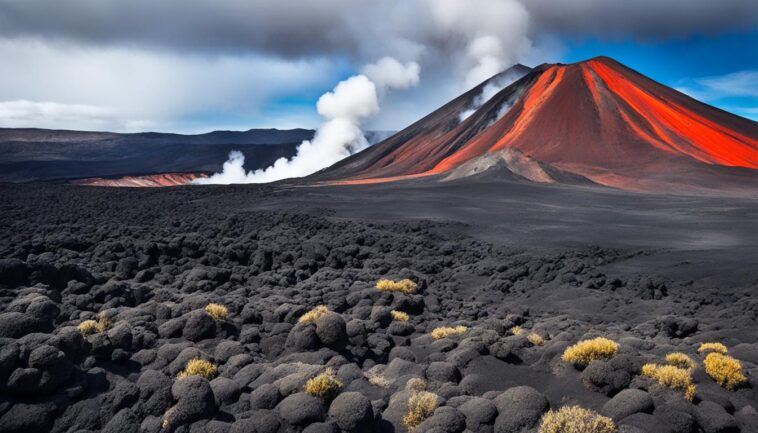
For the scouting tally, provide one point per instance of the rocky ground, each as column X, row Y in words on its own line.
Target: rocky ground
column 144, row 265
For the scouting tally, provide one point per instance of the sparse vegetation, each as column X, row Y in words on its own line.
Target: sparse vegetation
column 517, row 330
column 725, row 370
column 671, row 377
column 376, row 379
column 89, row 327
column 681, row 360
column 712, row 347
column 400, row 316
column 404, row 286
column 217, row 311
column 575, row 419
column 198, row 367
column 324, row 386
column 536, row 339
column 421, row 405
column 314, row 314
column 415, row 384
column 586, row 351
column 166, row 420
column 446, row 331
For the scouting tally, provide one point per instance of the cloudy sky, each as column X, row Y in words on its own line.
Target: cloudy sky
column 199, row 65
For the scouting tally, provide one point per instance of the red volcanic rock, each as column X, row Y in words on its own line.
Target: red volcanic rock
column 596, row 119
column 150, row 181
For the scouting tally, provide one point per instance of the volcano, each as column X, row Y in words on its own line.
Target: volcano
column 594, row 121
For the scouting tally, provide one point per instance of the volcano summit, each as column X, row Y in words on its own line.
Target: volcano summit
column 596, row 120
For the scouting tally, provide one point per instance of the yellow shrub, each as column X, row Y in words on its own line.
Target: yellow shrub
column 314, row 314
column 536, row 339
column 671, row 377
column 323, row 386
column 400, row 316
column 446, row 331
column 88, row 327
column 198, row 367
column 679, row 359
column 421, row 405
column 517, row 330
column 575, row 419
column 712, row 347
column 586, row 351
column 725, row 370
column 217, row 311
column 95, row 326
column 404, row 286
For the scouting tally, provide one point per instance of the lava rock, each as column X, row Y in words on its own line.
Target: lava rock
column 352, row 412
column 713, row 418
column 519, row 409
column 301, row 409
column 627, row 402
column 199, row 326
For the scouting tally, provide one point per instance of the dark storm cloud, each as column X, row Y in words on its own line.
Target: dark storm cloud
column 643, row 19
column 282, row 27
column 317, row 27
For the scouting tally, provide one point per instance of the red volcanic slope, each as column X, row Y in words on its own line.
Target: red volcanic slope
column 597, row 119
column 151, row 181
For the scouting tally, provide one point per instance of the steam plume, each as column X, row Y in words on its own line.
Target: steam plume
column 495, row 33
column 490, row 90
column 344, row 108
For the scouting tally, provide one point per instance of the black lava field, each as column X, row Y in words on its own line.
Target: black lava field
column 104, row 296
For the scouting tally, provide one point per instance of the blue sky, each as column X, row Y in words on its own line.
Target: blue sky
column 721, row 70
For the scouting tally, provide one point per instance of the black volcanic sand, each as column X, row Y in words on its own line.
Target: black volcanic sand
column 656, row 274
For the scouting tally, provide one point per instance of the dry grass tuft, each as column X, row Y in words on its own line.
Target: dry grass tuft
column 517, row 330
column 217, row 311
column 166, row 416
column 324, row 386
column 198, row 367
column 404, row 286
column 575, row 419
column 314, row 314
column 725, row 370
column 400, row 316
column 681, row 360
column 89, row 327
column 446, row 331
column 421, row 405
column 415, row 384
column 586, row 351
column 671, row 377
column 376, row 379
column 536, row 339
column 712, row 347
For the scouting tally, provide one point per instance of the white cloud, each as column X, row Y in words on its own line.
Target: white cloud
column 734, row 84
column 23, row 114
column 129, row 89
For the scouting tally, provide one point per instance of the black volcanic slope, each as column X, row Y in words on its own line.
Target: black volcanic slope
column 33, row 155
column 39, row 155
column 656, row 274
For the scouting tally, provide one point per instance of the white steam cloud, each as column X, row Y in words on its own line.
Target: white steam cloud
column 495, row 31
column 344, row 108
column 387, row 72
column 491, row 89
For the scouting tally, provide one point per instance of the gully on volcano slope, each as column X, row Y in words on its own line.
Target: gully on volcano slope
column 596, row 119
